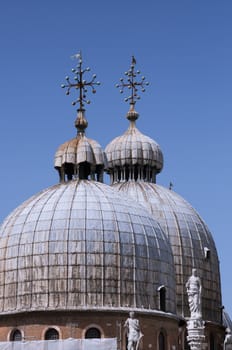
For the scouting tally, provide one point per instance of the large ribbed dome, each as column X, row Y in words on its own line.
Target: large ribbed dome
column 79, row 245
column 191, row 241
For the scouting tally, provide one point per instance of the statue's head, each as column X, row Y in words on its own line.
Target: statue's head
column 194, row 272
column 132, row 314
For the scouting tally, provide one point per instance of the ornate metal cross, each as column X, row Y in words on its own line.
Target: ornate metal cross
column 132, row 84
column 80, row 84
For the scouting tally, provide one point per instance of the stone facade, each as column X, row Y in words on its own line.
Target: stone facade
column 34, row 325
column 75, row 325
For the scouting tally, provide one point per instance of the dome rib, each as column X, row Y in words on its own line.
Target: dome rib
column 116, row 231
column 53, row 256
column 84, row 152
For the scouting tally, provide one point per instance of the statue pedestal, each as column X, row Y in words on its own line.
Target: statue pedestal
column 196, row 337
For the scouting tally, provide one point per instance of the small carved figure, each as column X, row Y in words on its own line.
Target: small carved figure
column 134, row 334
column 194, row 294
column 228, row 340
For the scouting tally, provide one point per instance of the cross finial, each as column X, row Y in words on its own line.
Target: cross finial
column 80, row 84
column 132, row 84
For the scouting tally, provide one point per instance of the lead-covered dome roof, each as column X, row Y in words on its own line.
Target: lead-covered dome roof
column 82, row 244
column 80, row 157
column 133, row 155
column 191, row 241
column 78, row 150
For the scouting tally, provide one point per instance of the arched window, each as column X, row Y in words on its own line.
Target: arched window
column 92, row 333
column 162, row 298
column 16, row 335
column 162, row 341
column 51, row 334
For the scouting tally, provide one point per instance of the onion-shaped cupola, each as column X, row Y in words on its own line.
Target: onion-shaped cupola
column 133, row 156
column 80, row 157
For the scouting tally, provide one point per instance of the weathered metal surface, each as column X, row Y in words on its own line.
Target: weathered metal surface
column 82, row 244
column 80, row 158
column 191, row 241
column 80, row 149
column 134, row 151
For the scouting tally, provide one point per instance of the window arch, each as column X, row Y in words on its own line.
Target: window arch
column 16, row 335
column 51, row 334
column 92, row 332
column 162, row 341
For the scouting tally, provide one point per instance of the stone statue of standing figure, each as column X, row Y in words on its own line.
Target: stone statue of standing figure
column 228, row 340
column 193, row 286
column 134, row 334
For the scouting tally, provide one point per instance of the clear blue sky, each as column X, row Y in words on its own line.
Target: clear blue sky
column 183, row 47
